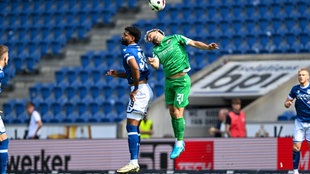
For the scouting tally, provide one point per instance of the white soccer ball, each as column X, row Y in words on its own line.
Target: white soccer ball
column 157, row 5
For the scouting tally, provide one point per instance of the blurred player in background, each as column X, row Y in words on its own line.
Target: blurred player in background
column 136, row 72
column 35, row 122
column 222, row 128
column 146, row 128
column 4, row 142
column 171, row 53
column 301, row 93
column 238, row 120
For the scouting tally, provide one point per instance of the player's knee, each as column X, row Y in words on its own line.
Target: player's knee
column 174, row 113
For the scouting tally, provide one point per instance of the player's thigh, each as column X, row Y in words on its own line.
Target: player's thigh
column 307, row 131
column 142, row 100
column 169, row 92
column 299, row 131
column 182, row 89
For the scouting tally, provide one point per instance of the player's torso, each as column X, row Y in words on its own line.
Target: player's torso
column 302, row 102
column 172, row 55
column 135, row 51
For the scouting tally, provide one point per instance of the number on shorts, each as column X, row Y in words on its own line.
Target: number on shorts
column 130, row 106
column 180, row 98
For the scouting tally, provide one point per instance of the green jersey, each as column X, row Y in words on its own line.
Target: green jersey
column 172, row 54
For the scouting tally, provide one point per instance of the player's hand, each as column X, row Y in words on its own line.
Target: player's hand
column 213, row 46
column 151, row 60
column 133, row 94
column 288, row 103
column 112, row 73
column 212, row 131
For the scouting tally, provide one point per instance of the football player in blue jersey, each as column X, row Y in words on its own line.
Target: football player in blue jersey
column 301, row 94
column 136, row 72
column 4, row 142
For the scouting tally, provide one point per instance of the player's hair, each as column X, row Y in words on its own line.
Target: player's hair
column 3, row 49
column 236, row 101
column 135, row 32
column 152, row 30
column 29, row 104
column 303, row 69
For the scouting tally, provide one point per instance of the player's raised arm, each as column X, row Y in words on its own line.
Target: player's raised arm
column 154, row 62
column 114, row 73
column 203, row 46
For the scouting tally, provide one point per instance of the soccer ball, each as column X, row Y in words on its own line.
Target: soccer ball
column 157, row 5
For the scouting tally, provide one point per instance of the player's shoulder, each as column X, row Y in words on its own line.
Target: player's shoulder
column 131, row 48
column 296, row 87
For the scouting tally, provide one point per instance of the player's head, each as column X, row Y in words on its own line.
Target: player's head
column 4, row 55
column 154, row 35
column 30, row 107
column 236, row 104
column 222, row 114
column 303, row 76
column 131, row 35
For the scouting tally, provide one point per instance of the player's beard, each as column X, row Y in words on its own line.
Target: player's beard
column 124, row 42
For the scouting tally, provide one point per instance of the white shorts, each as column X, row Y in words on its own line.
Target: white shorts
column 301, row 131
column 137, row 109
column 2, row 128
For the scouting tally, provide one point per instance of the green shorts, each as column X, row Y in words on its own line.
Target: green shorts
column 177, row 91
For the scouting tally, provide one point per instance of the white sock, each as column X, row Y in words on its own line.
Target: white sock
column 134, row 162
column 179, row 143
column 296, row 171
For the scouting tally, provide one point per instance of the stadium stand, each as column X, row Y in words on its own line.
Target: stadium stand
column 34, row 29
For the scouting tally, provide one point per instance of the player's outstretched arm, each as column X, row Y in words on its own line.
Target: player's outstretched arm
column 288, row 102
column 114, row 73
column 154, row 62
column 203, row 46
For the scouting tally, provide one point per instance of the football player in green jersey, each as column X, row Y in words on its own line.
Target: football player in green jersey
column 170, row 52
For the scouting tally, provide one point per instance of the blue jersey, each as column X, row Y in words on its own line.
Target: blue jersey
column 302, row 103
column 135, row 51
column 1, row 78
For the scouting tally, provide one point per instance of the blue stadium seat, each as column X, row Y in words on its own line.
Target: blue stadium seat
column 68, row 108
column 82, row 91
column 95, row 75
column 94, row 108
column 95, row 92
column 43, row 108
column 70, row 93
column 58, row 93
column 8, row 108
column 56, row 108
column 110, row 60
column 34, row 91
column 283, row 118
column 119, row 107
column 119, row 117
column 60, row 76
column 86, row 59
column 71, row 75
column 45, row 91
column 107, row 107
column 107, row 91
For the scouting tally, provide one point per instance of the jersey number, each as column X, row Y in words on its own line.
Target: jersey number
column 143, row 62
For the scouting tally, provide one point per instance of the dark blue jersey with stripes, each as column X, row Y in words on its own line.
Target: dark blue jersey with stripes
column 135, row 51
column 302, row 103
